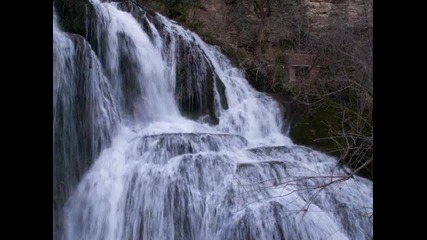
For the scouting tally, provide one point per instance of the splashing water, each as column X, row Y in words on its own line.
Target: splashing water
column 165, row 176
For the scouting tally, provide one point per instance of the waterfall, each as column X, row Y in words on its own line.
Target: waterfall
column 85, row 115
column 158, row 136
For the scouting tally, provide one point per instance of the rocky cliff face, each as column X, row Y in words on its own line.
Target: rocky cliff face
column 320, row 12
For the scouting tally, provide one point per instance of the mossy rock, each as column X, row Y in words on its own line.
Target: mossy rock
column 72, row 15
column 313, row 128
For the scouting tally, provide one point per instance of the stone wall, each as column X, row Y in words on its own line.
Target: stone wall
column 313, row 62
column 320, row 12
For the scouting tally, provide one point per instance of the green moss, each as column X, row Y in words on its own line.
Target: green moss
column 313, row 127
column 178, row 9
column 72, row 15
column 193, row 115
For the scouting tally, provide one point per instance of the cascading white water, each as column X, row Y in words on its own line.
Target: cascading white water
column 246, row 106
column 85, row 115
column 153, row 84
column 168, row 177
